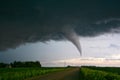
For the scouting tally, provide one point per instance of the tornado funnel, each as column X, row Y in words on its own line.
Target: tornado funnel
column 71, row 35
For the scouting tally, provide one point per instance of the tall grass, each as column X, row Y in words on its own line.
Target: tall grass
column 89, row 74
column 23, row 73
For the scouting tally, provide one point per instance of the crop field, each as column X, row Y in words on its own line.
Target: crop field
column 23, row 73
column 115, row 70
column 100, row 73
column 73, row 73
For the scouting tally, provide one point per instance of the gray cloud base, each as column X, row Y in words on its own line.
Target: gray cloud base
column 27, row 21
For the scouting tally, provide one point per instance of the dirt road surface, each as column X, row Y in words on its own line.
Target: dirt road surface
column 67, row 74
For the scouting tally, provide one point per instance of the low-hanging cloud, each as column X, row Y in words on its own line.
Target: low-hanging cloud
column 32, row 21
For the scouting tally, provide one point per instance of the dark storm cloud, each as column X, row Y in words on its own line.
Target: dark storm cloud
column 27, row 21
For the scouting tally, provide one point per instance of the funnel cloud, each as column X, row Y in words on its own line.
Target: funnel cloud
column 30, row 21
column 71, row 35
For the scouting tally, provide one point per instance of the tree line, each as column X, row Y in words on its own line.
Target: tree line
column 16, row 64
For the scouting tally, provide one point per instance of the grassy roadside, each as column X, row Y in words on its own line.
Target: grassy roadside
column 90, row 74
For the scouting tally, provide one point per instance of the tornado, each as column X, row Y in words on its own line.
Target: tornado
column 71, row 35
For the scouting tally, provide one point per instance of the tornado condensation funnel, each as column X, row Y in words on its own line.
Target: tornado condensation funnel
column 71, row 35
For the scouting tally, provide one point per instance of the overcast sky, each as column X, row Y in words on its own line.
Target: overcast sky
column 103, row 50
column 55, row 32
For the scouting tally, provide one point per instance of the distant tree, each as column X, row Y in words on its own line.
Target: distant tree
column 26, row 64
column 38, row 63
column 68, row 66
column 3, row 65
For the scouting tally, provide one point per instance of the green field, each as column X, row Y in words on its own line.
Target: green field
column 115, row 70
column 23, row 73
column 100, row 73
column 86, row 73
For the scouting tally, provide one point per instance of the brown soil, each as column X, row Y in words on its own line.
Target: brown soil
column 67, row 74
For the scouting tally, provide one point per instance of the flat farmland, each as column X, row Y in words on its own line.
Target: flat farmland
column 71, row 73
